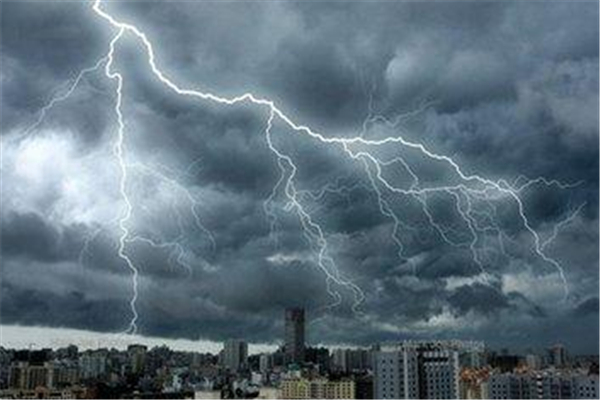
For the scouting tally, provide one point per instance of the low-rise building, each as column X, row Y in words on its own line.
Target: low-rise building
column 301, row 388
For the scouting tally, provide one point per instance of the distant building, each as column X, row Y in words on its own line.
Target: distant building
column 511, row 386
column 351, row 360
column 474, row 383
column 413, row 370
column 363, row 388
column 543, row 385
column 265, row 363
column 317, row 389
column 137, row 357
column 557, row 356
column 533, row 362
column 318, row 356
column 70, row 352
column 235, row 355
column 66, row 373
column 339, row 360
column 92, row 364
column 207, row 394
column 294, row 335
column 26, row 376
column 505, row 362
column 45, row 393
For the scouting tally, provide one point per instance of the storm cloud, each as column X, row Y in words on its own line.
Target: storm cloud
column 508, row 90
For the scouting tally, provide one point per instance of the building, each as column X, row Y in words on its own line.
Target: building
column 351, row 360
column 557, row 356
column 417, row 370
column 511, row 386
column 66, row 373
column 137, row 357
column 92, row 364
column 586, row 387
column 300, row 388
column 363, row 388
column 533, row 362
column 295, row 389
column 294, row 335
column 474, row 383
column 339, row 360
column 235, row 355
column 549, row 384
column 265, row 363
column 25, row 376
column 45, row 393
column 318, row 356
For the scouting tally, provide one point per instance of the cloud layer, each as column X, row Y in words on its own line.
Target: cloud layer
column 505, row 89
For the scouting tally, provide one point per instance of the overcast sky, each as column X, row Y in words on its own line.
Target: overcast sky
column 506, row 90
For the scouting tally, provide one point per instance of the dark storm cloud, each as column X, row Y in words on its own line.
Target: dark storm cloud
column 587, row 307
column 511, row 89
column 487, row 300
column 69, row 309
column 43, row 50
column 30, row 236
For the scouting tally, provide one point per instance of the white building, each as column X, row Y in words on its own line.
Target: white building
column 413, row 370
column 549, row 384
column 586, row 387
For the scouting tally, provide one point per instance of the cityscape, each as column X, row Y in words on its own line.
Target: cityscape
column 444, row 369
column 299, row 199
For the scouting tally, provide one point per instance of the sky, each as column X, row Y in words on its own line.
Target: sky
column 445, row 186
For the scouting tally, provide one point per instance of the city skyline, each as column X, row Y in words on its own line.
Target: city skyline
column 294, row 333
column 406, row 369
column 178, row 173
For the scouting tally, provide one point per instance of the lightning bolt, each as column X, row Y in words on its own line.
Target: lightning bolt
column 567, row 220
column 60, row 97
column 473, row 195
column 118, row 150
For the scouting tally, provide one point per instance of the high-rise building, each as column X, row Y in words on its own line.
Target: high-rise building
column 557, row 356
column 93, row 364
column 265, row 363
column 137, row 357
column 235, row 355
column 533, row 362
column 351, row 360
column 294, row 335
column 417, row 370
column 24, row 375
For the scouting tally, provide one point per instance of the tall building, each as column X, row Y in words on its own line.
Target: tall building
column 137, row 357
column 28, row 376
column 351, row 360
column 533, row 362
column 265, row 363
column 417, row 370
column 557, row 356
column 93, row 364
column 294, row 335
column 235, row 355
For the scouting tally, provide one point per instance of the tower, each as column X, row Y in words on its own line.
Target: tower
column 294, row 335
